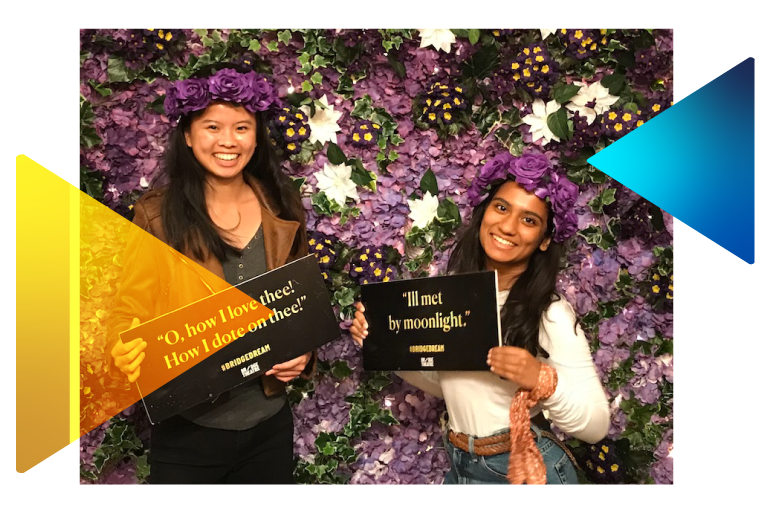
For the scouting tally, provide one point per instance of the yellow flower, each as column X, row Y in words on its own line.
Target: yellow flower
column 363, row 126
column 325, row 259
column 438, row 102
column 669, row 296
column 458, row 89
column 600, row 470
column 618, row 127
column 539, row 58
column 516, row 76
column 363, row 257
column 612, row 116
column 386, row 279
column 526, row 51
column 536, row 49
column 640, row 123
column 457, row 101
column 378, row 255
column 627, row 116
column 159, row 46
column 604, row 448
column 291, row 146
column 358, row 269
column 299, row 115
column 447, row 116
column 526, row 72
column 160, row 33
column 376, row 126
column 656, row 107
column 429, row 102
column 446, row 106
column 656, row 288
column 302, row 131
column 368, row 137
column 578, row 34
column 601, row 456
column 168, row 36
column 614, row 468
column 319, row 247
column 515, row 65
column 356, row 137
column 545, row 68
column 432, row 116
column 656, row 277
column 290, row 132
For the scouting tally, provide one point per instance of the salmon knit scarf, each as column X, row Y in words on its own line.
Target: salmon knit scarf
column 526, row 465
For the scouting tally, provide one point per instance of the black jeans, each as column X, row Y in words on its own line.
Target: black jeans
column 182, row 452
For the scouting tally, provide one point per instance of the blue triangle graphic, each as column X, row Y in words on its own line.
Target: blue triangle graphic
column 680, row 162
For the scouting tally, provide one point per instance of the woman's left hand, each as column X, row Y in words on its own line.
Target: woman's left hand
column 289, row 370
column 516, row 365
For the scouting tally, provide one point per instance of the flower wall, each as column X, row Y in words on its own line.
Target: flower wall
column 383, row 131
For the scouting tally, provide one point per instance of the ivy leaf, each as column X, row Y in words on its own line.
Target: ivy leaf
column 317, row 78
column 200, row 31
column 272, row 46
column 558, row 123
column 563, row 93
column 362, row 107
column 102, row 90
column 335, row 154
column 319, row 61
column 429, row 183
column 396, row 65
column 345, row 297
column 340, row 369
column 361, row 176
column 117, row 72
column 306, row 86
column 254, row 45
column 474, row 36
column 284, row 37
column 460, row 32
column 486, row 117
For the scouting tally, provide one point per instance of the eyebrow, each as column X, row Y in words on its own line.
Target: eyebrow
column 528, row 212
column 244, row 121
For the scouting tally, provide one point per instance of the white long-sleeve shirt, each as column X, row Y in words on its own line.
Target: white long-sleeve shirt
column 478, row 402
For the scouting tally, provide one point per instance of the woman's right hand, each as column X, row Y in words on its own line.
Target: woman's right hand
column 128, row 356
column 359, row 328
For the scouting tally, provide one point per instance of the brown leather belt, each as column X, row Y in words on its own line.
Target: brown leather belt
column 491, row 445
column 494, row 445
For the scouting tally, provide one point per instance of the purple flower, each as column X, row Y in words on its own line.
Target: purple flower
column 562, row 192
column 192, row 95
column 529, row 169
column 264, row 95
column 229, row 85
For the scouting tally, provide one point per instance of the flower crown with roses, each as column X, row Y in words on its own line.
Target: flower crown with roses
column 535, row 174
column 254, row 92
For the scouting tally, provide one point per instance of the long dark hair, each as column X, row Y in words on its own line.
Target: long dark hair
column 186, row 221
column 532, row 293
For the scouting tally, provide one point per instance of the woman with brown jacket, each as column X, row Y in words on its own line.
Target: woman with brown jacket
column 227, row 206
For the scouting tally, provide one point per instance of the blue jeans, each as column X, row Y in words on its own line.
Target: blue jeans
column 470, row 468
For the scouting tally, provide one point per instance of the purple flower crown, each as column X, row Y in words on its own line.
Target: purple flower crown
column 535, row 174
column 254, row 92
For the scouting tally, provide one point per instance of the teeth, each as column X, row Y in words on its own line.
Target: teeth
column 225, row 156
column 501, row 240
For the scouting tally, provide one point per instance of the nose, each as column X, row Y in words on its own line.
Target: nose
column 227, row 138
column 508, row 226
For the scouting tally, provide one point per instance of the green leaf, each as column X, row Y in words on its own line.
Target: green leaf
column 341, row 370
column 614, row 83
column 200, row 31
column 345, row 297
column 460, row 32
column 398, row 66
column 482, row 62
column 317, row 78
column 392, row 156
column 284, row 37
column 558, row 123
column 362, row 108
column 474, row 36
column 102, row 90
column 563, row 93
column 306, row 86
column 272, row 46
column 361, row 176
column 486, row 117
column 429, row 183
column 116, row 70
column 254, row 45
column 644, row 40
column 335, row 154
column 319, row 61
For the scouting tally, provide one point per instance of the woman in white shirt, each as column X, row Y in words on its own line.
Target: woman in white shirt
column 517, row 230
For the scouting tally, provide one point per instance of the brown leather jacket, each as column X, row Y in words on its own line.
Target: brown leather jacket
column 152, row 286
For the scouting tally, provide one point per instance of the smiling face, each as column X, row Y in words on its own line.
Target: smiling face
column 513, row 227
column 223, row 139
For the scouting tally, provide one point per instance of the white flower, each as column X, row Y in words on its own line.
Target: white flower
column 324, row 124
column 546, row 32
column 423, row 211
column 336, row 182
column 440, row 38
column 143, row 182
column 591, row 93
column 538, row 120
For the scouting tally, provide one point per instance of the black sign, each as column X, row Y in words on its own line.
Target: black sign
column 303, row 320
column 437, row 323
